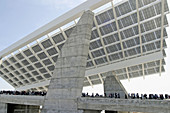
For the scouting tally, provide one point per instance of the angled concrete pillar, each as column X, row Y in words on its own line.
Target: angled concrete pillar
column 113, row 85
column 3, row 107
column 67, row 81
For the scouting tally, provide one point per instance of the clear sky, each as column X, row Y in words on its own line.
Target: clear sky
column 19, row 18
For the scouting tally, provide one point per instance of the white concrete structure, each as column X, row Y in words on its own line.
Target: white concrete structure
column 67, row 81
column 129, row 41
column 3, row 107
column 125, row 38
column 113, row 85
column 22, row 100
column 85, row 103
column 127, row 105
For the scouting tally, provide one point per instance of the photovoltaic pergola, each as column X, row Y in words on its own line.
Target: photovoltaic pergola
column 128, row 38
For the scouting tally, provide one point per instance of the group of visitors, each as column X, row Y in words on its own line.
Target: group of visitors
column 150, row 96
column 87, row 95
column 37, row 93
column 111, row 95
column 129, row 96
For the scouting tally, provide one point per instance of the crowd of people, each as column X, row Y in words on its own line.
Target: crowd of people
column 111, row 95
column 150, row 96
column 87, row 95
column 129, row 96
column 37, row 93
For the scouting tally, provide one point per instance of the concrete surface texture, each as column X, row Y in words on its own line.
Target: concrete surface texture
column 98, row 104
column 22, row 99
column 128, row 105
column 3, row 107
column 67, row 81
column 112, row 85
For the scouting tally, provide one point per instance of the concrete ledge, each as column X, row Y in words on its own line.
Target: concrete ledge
column 131, row 105
column 87, row 103
column 22, row 99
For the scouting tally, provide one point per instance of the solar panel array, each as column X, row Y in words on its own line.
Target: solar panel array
column 35, row 63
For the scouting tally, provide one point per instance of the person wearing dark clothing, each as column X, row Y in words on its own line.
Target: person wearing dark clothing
column 145, row 96
column 161, row 96
column 118, row 95
column 166, row 96
column 125, row 96
column 137, row 95
column 92, row 95
column 115, row 95
column 156, row 96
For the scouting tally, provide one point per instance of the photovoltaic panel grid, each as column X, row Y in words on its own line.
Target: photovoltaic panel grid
column 115, row 38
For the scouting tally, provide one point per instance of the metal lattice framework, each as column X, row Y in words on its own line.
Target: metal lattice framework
column 127, row 37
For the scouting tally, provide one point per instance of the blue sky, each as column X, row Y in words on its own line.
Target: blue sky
column 19, row 18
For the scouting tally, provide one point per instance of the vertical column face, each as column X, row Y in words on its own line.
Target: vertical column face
column 67, row 81
column 112, row 85
column 3, row 108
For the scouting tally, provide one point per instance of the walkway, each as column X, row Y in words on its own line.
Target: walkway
column 131, row 105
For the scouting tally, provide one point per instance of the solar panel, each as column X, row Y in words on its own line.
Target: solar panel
column 36, row 63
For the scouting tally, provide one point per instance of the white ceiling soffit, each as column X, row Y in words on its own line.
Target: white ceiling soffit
column 51, row 26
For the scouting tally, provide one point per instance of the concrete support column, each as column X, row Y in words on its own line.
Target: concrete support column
column 91, row 111
column 68, row 77
column 113, row 85
column 3, row 108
